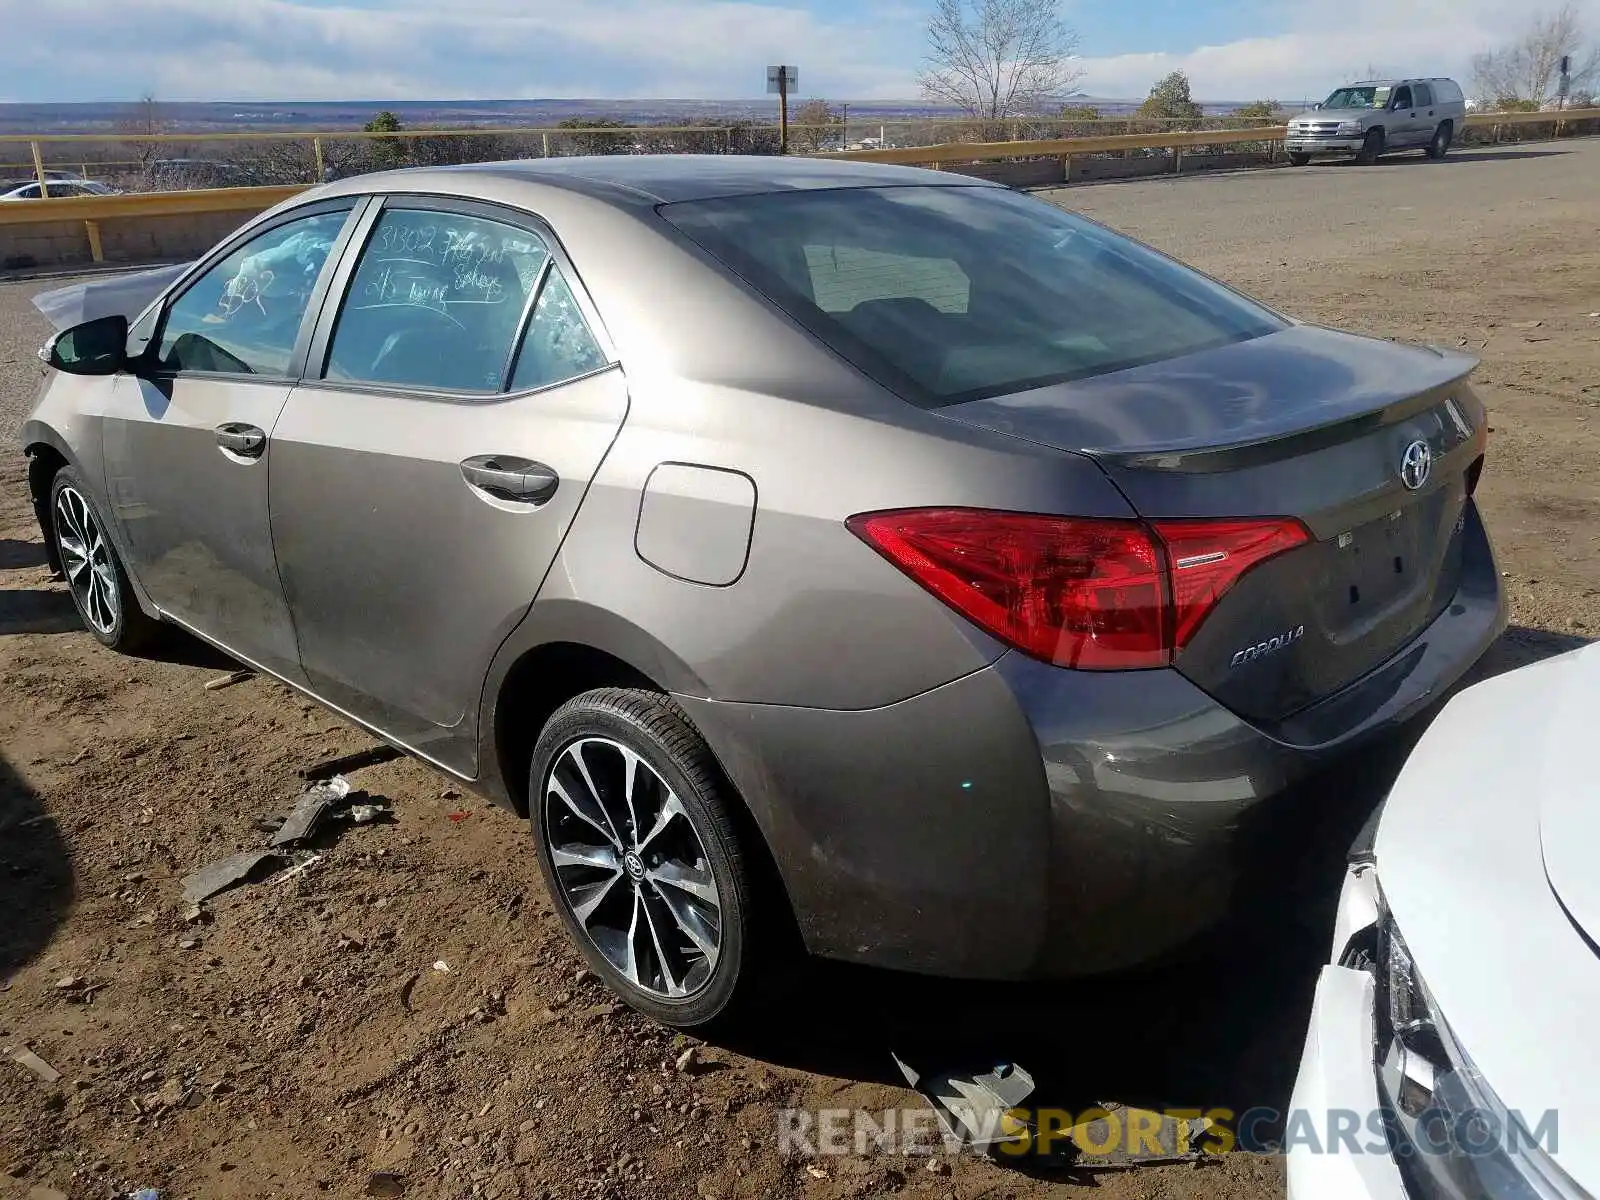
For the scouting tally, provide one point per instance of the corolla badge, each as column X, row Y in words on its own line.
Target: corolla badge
column 1271, row 646
column 1416, row 464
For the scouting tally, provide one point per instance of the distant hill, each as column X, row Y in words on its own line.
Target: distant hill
column 221, row 116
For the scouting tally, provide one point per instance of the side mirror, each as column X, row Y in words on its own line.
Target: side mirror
column 98, row 347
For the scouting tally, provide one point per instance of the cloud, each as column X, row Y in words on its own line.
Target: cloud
column 1320, row 46
column 493, row 49
column 296, row 49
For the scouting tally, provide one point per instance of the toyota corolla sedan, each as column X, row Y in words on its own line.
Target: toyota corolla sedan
column 1453, row 1050
column 863, row 553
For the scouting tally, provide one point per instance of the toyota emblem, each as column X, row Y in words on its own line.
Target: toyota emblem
column 1416, row 464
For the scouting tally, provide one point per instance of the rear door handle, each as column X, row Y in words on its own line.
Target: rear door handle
column 244, row 440
column 506, row 477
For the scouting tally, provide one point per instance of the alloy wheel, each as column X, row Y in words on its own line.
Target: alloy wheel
column 86, row 560
column 632, row 868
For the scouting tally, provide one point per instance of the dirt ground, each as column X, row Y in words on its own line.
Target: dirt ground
column 300, row 1037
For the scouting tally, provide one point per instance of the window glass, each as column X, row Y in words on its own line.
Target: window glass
column 1402, row 98
column 1424, row 97
column 244, row 314
column 944, row 294
column 558, row 345
column 845, row 276
column 436, row 302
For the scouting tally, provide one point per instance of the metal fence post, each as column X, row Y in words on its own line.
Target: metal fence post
column 38, row 170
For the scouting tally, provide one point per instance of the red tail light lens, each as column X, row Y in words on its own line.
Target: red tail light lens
column 1209, row 557
column 1096, row 594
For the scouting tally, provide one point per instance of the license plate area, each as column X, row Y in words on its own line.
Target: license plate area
column 1386, row 560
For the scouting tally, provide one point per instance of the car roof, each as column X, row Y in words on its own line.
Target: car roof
column 1394, row 82
column 671, row 178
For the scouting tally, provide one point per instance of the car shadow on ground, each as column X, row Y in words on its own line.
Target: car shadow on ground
column 1222, row 1029
column 38, row 611
column 1400, row 158
column 15, row 554
column 36, row 883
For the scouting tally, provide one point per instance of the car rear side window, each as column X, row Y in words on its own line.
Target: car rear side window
column 945, row 294
column 1423, row 94
column 558, row 345
column 436, row 302
column 243, row 315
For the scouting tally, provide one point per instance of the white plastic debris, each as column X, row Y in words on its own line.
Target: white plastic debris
column 442, row 967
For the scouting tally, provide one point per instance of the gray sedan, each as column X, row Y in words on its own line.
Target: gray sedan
column 854, row 557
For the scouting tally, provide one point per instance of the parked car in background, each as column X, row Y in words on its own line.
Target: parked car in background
column 1370, row 119
column 59, row 188
column 1456, row 1014
column 862, row 551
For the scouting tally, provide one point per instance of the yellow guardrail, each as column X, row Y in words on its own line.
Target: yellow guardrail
column 93, row 209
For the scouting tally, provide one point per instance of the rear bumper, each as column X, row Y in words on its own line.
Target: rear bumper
column 1026, row 821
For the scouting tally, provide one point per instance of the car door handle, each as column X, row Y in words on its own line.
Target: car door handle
column 244, row 440
column 506, row 477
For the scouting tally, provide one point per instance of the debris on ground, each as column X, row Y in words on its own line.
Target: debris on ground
column 226, row 873
column 688, row 1061
column 24, row 1057
column 366, row 814
column 301, row 868
column 459, row 816
column 145, row 1194
column 309, row 810
column 970, row 1103
column 228, row 680
column 350, row 762
column 442, row 967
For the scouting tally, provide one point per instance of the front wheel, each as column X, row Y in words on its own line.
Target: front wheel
column 1440, row 146
column 641, row 852
column 1299, row 160
column 1371, row 148
column 95, row 575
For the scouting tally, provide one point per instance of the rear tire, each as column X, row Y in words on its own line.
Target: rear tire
column 94, row 573
column 665, row 887
column 1371, row 148
column 1442, row 137
column 1299, row 160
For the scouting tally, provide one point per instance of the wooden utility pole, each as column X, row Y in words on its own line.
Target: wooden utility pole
column 782, row 79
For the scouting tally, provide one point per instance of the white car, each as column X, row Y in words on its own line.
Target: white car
column 60, row 188
column 1455, row 1038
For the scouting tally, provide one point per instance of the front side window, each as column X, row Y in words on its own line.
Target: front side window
column 1402, row 98
column 243, row 315
column 945, row 294
column 436, row 302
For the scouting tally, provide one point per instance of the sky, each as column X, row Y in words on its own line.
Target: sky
column 99, row 50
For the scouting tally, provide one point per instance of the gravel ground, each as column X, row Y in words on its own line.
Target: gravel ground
column 299, row 1038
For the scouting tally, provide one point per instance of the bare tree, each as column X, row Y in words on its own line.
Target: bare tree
column 146, row 119
column 815, row 125
column 1528, row 70
column 997, row 59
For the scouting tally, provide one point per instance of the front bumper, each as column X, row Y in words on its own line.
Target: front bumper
column 1026, row 821
column 1322, row 145
column 1337, row 1084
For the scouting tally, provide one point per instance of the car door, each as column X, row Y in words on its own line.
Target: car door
column 1426, row 118
column 187, row 440
column 1403, row 126
column 459, row 398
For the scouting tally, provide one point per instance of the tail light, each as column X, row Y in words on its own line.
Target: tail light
column 1097, row 594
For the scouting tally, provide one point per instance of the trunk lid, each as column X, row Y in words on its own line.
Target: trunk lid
column 1306, row 423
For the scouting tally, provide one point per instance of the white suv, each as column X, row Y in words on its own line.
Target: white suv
column 1367, row 119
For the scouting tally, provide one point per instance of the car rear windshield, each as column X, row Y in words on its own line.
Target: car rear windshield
column 946, row 294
